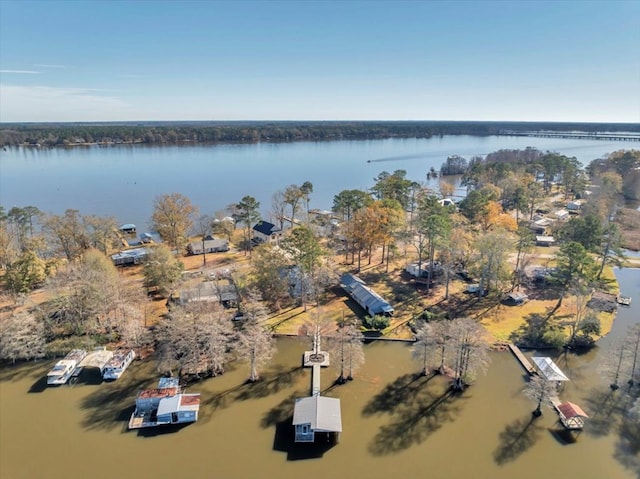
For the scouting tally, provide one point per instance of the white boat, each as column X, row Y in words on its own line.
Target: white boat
column 118, row 364
column 65, row 368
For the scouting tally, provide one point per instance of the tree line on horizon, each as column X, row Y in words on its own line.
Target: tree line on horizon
column 154, row 133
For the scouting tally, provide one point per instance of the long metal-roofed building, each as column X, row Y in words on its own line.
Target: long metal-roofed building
column 368, row 299
column 130, row 256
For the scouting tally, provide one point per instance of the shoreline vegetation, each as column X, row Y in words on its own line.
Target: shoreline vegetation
column 480, row 262
column 189, row 133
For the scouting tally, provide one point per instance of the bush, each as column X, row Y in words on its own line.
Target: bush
column 378, row 322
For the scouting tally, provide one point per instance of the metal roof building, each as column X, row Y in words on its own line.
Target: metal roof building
column 370, row 301
column 316, row 414
column 549, row 370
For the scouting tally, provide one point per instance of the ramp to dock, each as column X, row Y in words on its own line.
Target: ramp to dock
column 522, row 359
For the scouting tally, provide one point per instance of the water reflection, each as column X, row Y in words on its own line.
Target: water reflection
column 394, row 419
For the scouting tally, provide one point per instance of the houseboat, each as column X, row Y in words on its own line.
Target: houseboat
column 165, row 405
column 64, row 369
column 118, row 364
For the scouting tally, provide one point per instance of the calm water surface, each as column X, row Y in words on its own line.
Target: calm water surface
column 395, row 425
column 123, row 180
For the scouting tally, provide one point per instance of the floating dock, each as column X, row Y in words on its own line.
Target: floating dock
column 624, row 300
column 522, row 359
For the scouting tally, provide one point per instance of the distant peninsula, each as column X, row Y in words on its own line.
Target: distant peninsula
column 202, row 132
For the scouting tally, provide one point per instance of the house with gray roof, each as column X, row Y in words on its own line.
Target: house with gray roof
column 368, row 299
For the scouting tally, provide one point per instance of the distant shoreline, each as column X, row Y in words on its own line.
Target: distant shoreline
column 190, row 133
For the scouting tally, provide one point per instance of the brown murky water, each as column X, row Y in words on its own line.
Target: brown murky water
column 395, row 425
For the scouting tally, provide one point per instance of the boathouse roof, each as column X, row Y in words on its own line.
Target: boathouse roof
column 323, row 413
column 371, row 301
column 569, row 410
column 549, row 370
column 180, row 402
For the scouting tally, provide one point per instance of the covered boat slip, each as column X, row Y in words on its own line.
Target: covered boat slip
column 571, row 415
column 548, row 369
column 316, row 414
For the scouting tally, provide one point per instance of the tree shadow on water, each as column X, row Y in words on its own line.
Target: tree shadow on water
column 271, row 383
column 401, row 391
column 110, row 406
column 281, row 412
column 516, row 438
column 415, row 421
column 627, row 448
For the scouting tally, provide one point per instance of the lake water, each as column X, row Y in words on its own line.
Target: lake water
column 394, row 423
column 122, row 181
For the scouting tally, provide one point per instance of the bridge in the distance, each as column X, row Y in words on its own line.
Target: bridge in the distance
column 581, row 135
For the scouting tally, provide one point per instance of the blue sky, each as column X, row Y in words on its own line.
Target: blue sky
column 306, row 60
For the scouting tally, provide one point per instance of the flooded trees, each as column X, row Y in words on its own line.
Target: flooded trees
column 345, row 348
column 457, row 348
column 194, row 340
column 540, row 390
column 469, row 351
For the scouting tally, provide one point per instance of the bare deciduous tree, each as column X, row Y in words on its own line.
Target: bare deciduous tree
column 540, row 390
column 256, row 345
column 194, row 340
column 345, row 348
column 469, row 350
column 22, row 336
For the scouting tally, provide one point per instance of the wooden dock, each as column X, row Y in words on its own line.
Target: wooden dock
column 522, row 359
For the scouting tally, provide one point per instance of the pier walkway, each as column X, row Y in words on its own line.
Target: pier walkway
column 522, row 359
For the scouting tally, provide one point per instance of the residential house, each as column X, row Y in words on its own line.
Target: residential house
column 265, row 232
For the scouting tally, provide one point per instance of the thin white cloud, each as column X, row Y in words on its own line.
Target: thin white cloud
column 43, row 103
column 46, row 65
column 29, row 72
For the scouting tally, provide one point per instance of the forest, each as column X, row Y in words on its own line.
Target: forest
column 69, row 134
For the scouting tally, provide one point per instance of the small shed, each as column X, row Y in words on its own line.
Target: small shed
column 548, row 369
column 541, row 226
column 542, row 240
column 128, row 228
column 575, row 206
column 561, row 214
column 316, row 414
column 517, row 298
column 571, row 415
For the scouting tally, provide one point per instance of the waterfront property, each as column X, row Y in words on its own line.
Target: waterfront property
column 167, row 404
column 210, row 245
column 265, row 232
column 118, row 363
column 130, row 257
column 368, row 299
column 316, row 413
column 65, row 368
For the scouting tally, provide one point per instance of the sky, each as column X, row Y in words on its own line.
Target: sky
column 319, row 60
